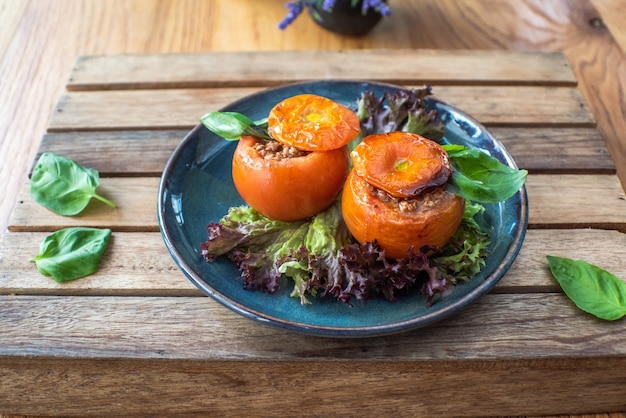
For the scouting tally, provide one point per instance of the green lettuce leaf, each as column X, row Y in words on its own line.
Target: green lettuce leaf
column 321, row 259
column 464, row 255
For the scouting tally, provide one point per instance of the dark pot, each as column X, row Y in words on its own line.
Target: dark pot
column 345, row 19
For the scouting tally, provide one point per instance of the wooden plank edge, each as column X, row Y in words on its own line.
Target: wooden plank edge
column 495, row 326
column 251, row 82
column 606, row 226
column 530, row 387
column 154, row 227
column 532, row 67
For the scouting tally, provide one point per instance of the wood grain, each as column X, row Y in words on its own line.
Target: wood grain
column 557, row 150
column 145, row 152
column 547, row 194
column 221, row 388
column 135, row 212
column 599, row 58
column 114, row 153
column 168, row 71
column 134, row 264
column 555, row 202
column 146, row 369
column 182, row 108
column 37, row 64
column 497, row 326
column 10, row 15
column 611, row 21
column 138, row 264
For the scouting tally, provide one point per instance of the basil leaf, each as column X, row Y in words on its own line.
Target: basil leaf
column 481, row 178
column 232, row 125
column 72, row 253
column 64, row 186
column 591, row 288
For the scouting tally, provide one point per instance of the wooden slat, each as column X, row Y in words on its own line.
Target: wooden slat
column 496, row 326
column 138, row 264
column 133, row 264
column 182, row 108
column 495, row 67
column 530, row 272
column 539, row 150
column 136, row 209
column 233, row 388
column 566, row 201
column 557, row 150
column 567, row 361
column 126, row 153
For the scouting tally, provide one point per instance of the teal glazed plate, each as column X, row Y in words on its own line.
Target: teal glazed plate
column 197, row 188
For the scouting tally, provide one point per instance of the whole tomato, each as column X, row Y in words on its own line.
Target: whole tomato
column 395, row 194
column 288, row 189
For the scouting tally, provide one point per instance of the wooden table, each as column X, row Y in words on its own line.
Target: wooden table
column 138, row 338
column 140, row 333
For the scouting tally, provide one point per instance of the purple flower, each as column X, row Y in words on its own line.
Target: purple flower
column 328, row 5
column 378, row 5
column 295, row 8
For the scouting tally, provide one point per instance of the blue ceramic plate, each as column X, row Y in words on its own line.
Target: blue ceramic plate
column 197, row 188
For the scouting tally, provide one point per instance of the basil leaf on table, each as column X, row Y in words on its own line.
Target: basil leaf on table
column 232, row 125
column 591, row 288
column 64, row 186
column 72, row 253
column 481, row 178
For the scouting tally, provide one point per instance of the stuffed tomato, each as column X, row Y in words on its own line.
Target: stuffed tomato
column 286, row 184
column 396, row 195
column 301, row 170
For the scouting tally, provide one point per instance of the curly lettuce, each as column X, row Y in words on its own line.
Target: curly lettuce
column 403, row 110
column 322, row 260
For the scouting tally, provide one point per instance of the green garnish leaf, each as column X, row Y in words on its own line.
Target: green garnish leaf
column 72, row 253
column 591, row 288
column 481, row 178
column 64, row 186
column 233, row 125
column 464, row 255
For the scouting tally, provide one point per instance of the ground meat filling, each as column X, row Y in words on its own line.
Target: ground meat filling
column 274, row 150
column 424, row 201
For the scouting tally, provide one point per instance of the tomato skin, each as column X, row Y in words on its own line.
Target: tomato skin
column 368, row 218
column 288, row 189
column 312, row 123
